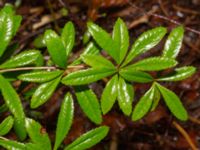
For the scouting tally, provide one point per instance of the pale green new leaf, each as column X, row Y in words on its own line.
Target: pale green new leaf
column 180, row 74
column 68, row 37
column 89, row 139
column 11, row 145
column 145, row 42
column 86, row 76
column 104, row 40
column 14, row 104
column 173, row 43
column 173, row 102
column 65, row 118
column 133, row 75
column 121, row 37
column 40, row 76
column 37, row 134
column 144, row 105
column 44, row 92
column 6, row 125
column 27, row 57
column 125, row 96
column 56, row 48
column 89, row 104
column 97, row 61
column 153, row 64
column 109, row 94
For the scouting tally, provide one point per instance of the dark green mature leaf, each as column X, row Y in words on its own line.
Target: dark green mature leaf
column 11, row 145
column 121, row 37
column 86, row 76
column 153, row 64
column 144, row 105
column 68, row 37
column 38, row 134
column 125, row 96
column 173, row 43
column 40, row 76
column 104, row 40
column 56, row 48
column 14, row 104
column 89, row 104
column 145, row 42
column 181, row 74
column 109, row 94
column 173, row 102
column 9, row 24
column 44, row 92
column 135, row 75
column 64, row 119
column 6, row 125
column 88, row 139
column 22, row 59
column 97, row 61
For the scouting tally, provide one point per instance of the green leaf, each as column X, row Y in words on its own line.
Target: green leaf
column 56, row 48
column 68, row 37
column 64, row 119
column 40, row 76
column 133, row 75
column 16, row 23
column 153, row 64
column 22, row 59
column 156, row 98
column 104, row 40
column 89, row 139
column 86, row 76
column 6, row 125
column 173, row 43
column 44, row 92
column 125, row 96
column 145, row 42
column 31, row 146
column 144, row 105
column 181, row 74
column 109, row 94
column 97, row 61
column 121, row 37
column 38, row 134
column 14, row 104
column 173, row 102
column 11, row 145
column 89, row 104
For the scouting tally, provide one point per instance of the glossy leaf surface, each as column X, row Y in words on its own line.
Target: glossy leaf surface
column 173, row 102
column 153, row 64
column 40, row 76
column 86, row 76
column 145, row 42
column 173, row 43
column 38, row 134
column 104, row 40
column 121, row 37
column 11, row 145
column 97, row 61
column 125, row 96
column 65, row 118
column 6, row 125
column 56, row 48
column 88, row 139
column 144, row 105
column 133, row 75
column 89, row 104
column 14, row 104
column 44, row 92
column 180, row 74
column 109, row 94
column 22, row 59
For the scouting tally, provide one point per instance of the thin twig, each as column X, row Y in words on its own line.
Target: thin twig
column 194, row 120
column 185, row 135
